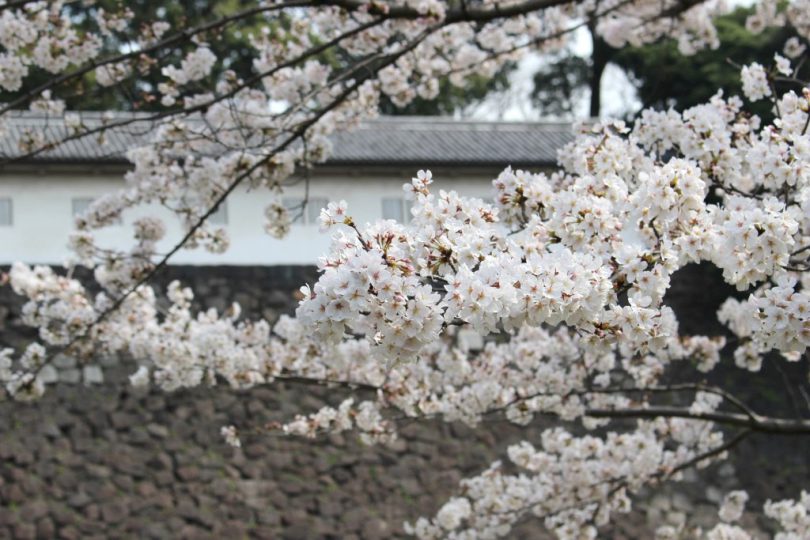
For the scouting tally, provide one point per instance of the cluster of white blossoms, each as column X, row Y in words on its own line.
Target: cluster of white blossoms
column 773, row 317
column 792, row 517
column 195, row 66
column 231, row 436
column 755, row 82
column 589, row 249
column 733, row 506
column 112, row 74
column 754, row 239
column 62, row 310
column 236, row 129
column 598, row 474
column 41, row 35
column 365, row 418
column 565, row 274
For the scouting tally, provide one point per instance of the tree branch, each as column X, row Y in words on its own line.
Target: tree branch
column 295, row 134
column 200, row 106
column 764, row 424
column 186, row 34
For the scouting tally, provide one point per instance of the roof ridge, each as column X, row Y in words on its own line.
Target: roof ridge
column 384, row 140
column 464, row 122
column 25, row 114
column 389, row 118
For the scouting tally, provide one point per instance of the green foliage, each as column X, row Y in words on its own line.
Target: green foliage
column 230, row 43
column 559, row 84
column 663, row 77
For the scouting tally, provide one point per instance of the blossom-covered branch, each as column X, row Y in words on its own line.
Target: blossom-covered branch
column 564, row 273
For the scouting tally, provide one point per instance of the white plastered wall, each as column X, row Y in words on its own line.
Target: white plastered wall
column 42, row 215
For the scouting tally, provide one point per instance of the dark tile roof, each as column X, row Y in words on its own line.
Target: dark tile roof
column 415, row 140
column 383, row 141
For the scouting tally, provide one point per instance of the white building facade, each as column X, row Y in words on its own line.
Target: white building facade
column 40, row 197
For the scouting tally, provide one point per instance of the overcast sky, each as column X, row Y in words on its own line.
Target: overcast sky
column 618, row 93
column 619, row 96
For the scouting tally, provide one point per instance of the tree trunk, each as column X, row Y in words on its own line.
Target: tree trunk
column 602, row 53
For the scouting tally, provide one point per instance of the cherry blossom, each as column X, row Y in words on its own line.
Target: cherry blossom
column 564, row 275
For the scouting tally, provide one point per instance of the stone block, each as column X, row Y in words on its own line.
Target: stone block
column 46, row 528
column 25, row 531
column 70, row 376
column 49, row 374
column 156, row 430
column 63, row 361
column 92, row 375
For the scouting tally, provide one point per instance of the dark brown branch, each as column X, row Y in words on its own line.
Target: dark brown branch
column 204, row 105
column 310, row 381
column 764, row 424
column 750, row 421
column 461, row 14
column 479, row 15
column 12, row 4
column 711, row 453
column 801, row 249
column 295, row 134
column 620, row 482
column 350, row 5
column 173, row 40
column 683, row 387
column 697, row 387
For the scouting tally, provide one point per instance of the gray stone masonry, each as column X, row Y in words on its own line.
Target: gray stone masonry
column 97, row 460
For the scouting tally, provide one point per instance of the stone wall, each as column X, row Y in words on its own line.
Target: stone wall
column 108, row 461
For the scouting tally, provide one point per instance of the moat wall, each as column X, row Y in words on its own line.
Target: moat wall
column 105, row 460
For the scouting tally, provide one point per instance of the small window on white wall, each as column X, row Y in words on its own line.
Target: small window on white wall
column 220, row 217
column 80, row 205
column 396, row 208
column 314, row 206
column 6, row 212
column 305, row 214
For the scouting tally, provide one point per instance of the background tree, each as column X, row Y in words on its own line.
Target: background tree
column 662, row 76
column 231, row 44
